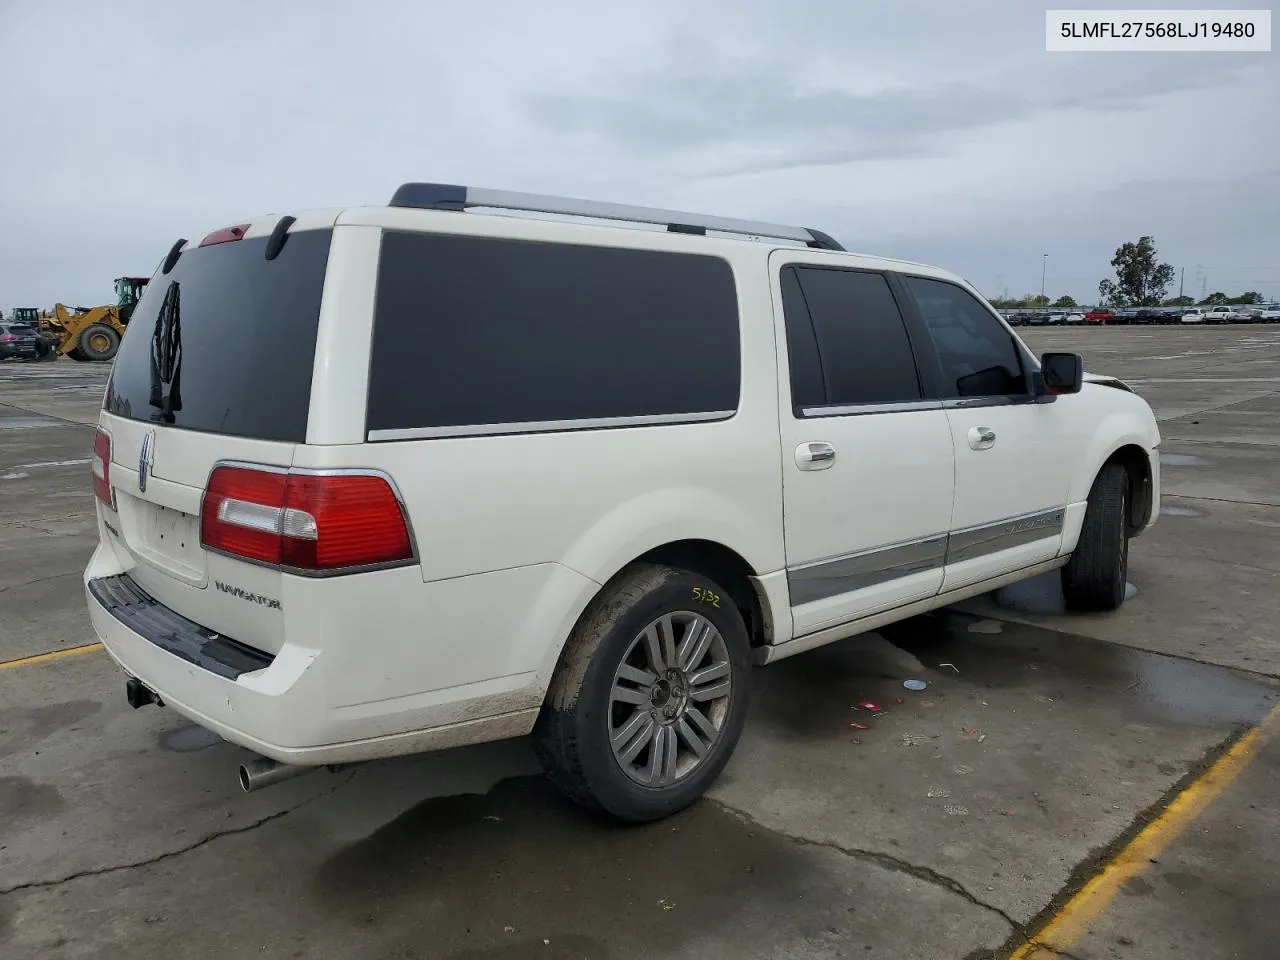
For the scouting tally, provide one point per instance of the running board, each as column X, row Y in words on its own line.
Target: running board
column 852, row 628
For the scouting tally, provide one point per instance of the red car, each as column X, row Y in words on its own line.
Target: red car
column 1100, row 316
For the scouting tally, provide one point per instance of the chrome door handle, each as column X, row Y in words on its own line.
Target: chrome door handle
column 815, row 455
column 981, row 438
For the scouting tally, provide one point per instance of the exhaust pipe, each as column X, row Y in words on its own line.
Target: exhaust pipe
column 263, row 772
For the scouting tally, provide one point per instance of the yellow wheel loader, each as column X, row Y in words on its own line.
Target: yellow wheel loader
column 93, row 333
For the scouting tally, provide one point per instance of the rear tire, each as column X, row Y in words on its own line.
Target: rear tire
column 98, row 342
column 1096, row 575
column 627, row 729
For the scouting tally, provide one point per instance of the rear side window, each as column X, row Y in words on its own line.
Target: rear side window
column 846, row 339
column 225, row 343
column 477, row 335
column 976, row 352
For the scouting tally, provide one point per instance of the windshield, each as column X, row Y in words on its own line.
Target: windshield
column 225, row 343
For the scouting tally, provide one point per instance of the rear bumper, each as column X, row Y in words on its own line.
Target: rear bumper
column 283, row 709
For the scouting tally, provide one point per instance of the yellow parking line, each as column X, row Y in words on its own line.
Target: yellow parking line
column 52, row 655
column 1075, row 916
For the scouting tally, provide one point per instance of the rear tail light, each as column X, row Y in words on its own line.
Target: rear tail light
column 102, row 468
column 309, row 522
column 7, row 337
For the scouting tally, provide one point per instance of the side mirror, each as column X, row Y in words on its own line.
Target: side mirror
column 1062, row 372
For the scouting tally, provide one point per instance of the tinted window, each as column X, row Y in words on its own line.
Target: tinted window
column 846, row 339
column 808, row 387
column 226, row 341
column 976, row 352
column 473, row 331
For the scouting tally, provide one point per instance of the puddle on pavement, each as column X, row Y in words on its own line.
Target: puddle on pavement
column 810, row 696
column 189, row 739
column 521, row 872
column 1039, row 595
column 22, row 800
column 1147, row 687
column 1181, row 460
column 23, row 728
column 26, row 423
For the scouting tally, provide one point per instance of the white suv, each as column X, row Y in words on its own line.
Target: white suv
column 386, row 480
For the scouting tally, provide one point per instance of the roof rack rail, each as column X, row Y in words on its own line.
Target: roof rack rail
column 445, row 196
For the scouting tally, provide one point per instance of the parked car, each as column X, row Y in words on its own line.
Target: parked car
column 1171, row 316
column 1195, row 315
column 18, row 340
column 1075, row 318
column 1148, row 315
column 1223, row 315
column 578, row 507
column 1264, row 314
column 1100, row 316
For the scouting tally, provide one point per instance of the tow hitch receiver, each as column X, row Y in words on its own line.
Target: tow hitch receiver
column 139, row 694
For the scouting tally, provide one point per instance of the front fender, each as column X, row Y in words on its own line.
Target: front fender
column 1120, row 419
column 1115, row 432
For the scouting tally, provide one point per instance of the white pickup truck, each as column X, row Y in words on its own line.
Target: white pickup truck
column 1223, row 315
column 1212, row 315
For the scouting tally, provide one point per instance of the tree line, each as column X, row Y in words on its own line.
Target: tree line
column 1141, row 280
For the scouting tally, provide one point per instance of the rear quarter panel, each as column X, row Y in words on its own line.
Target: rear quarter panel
column 516, row 533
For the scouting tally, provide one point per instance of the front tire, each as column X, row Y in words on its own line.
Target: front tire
column 1095, row 577
column 650, row 696
column 98, row 342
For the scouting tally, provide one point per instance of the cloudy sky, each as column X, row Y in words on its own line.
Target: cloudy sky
column 936, row 131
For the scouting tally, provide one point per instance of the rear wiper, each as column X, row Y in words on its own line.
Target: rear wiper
column 166, row 356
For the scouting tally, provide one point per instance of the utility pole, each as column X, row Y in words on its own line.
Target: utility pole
column 1181, row 277
column 1044, row 264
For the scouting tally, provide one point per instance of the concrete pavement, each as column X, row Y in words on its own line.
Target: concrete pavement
column 953, row 826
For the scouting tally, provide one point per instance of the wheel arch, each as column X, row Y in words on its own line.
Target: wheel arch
column 721, row 563
column 729, row 569
column 1124, row 435
column 1137, row 466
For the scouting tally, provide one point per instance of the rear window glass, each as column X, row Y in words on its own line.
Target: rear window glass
column 225, row 343
column 479, row 335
